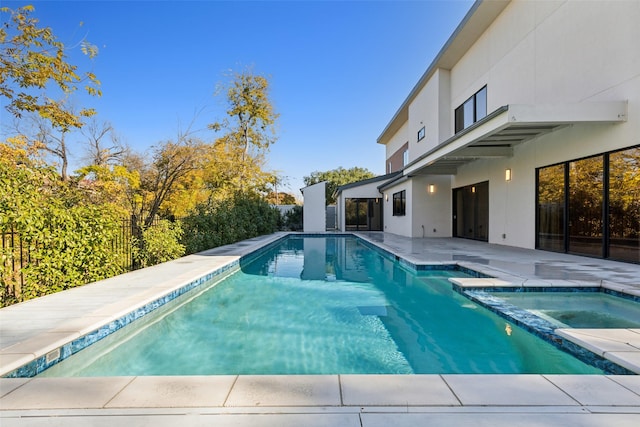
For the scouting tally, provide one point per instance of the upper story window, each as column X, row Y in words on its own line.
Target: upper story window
column 472, row 110
column 405, row 158
column 399, row 203
column 389, row 169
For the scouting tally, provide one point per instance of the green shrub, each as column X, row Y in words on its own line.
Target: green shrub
column 64, row 242
column 241, row 217
column 159, row 243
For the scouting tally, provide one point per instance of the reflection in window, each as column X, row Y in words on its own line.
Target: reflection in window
column 624, row 205
column 551, row 208
column 601, row 202
column 471, row 211
column 585, row 206
column 363, row 214
column 472, row 110
column 399, row 203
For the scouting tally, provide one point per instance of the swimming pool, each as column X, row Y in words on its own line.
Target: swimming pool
column 580, row 309
column 316, row 305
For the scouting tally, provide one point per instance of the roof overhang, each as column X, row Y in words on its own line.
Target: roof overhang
column 479, row 17
column 497, row 134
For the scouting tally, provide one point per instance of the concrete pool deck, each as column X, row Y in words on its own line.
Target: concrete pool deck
column 40, row 327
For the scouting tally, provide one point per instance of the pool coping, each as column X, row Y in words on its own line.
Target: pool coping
column 137, row 296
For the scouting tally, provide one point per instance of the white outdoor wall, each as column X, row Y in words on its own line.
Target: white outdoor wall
column 397, row 224
column 431, row 212
column 314, row 216
column 539, row 52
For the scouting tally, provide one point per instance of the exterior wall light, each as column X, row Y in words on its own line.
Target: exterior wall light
column 386, row 197
column 432, row 188
column 507, row 174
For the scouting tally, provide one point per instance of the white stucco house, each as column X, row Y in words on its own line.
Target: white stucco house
column 523, row 131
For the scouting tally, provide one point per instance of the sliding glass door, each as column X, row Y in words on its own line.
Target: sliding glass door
column 471, row 211
column 591, row 206
column 363, row 215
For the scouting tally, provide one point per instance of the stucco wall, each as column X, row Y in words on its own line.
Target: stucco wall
column 539, row 52
column 431, row 212
column 397, row 224
column 313, row 210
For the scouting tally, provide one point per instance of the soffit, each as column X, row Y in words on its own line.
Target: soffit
column 496, row 135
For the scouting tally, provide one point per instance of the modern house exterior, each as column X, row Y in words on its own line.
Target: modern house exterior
column 523, row 131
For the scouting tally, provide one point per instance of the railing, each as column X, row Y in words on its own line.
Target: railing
column 16, row 254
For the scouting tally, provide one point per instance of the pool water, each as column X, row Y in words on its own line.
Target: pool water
column 578, row 309
column 317, row 305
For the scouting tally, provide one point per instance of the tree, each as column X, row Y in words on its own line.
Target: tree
column 102, row 144
column 31, row 59
column 171, row 162
column 52, row 141
column 337, row 177
column 250, row 124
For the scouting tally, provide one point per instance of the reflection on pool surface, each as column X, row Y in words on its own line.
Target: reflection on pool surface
column 322, row 305
column 578, row 309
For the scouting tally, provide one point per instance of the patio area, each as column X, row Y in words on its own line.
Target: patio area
column 40, row 327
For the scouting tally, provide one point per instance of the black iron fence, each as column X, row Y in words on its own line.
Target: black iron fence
column 16, row 253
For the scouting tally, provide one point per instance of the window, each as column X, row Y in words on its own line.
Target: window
column 421, row 134
column 472, row 110
column 399, row 203
column 405, row 158
column 389, row 167
column 590, row 206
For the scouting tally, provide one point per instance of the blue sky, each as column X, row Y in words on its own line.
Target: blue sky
column 338, row 70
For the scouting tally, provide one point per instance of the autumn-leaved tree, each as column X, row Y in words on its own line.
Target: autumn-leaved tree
column 336, row 178
column 249, row 130
column 33, row 59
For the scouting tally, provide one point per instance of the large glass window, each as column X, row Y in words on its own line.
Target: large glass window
column 399, row 203
column 472, row 110
column 551, row 212
column 591, row 206
column 624, row 205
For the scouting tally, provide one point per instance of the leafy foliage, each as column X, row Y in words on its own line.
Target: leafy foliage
column 337, row 177
column 160, row 243
column 69, row 241
column 241, row 217
column 31, row 58
column 293, row 219
column 249, row 129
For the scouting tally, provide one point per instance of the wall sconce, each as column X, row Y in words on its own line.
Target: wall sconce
column 386, row 197
column 432, row 188
column 473, row 189
column 507, row 175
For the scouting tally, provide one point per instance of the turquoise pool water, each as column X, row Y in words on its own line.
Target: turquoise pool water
column 578, row 309
column 321, row 306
